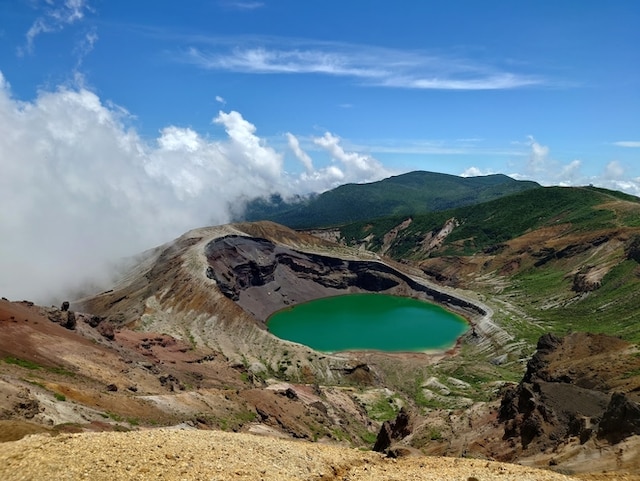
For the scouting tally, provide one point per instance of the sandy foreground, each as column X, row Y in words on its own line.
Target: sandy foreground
column 165, row 454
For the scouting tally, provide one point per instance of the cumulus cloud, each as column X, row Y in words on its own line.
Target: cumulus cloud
column 354, row 164
column 539, row 156
column 614, row 170
column 345, row 166
column 543, row 168
column 79, row 186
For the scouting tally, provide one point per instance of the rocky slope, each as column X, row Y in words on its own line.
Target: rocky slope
column 181, row 340
column 577, row 408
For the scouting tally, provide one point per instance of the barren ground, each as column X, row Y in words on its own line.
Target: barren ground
column 208, row 455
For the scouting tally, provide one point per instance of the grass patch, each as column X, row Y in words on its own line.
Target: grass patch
column 368, row 437
column 384, row 409
column 33, row 366
column 61, row 371
column 22, row 363
column 115, row 417
column 59, row 396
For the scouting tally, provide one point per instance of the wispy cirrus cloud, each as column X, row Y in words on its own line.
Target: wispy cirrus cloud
column 56, row 15
column 369, row 65
column 241, row 5
column 628, row 143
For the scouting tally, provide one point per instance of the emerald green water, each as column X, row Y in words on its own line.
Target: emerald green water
column 368, row 321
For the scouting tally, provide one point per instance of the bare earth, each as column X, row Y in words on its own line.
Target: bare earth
column 213, row 455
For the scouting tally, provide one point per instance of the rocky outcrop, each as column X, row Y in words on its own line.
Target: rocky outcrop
column 621, row 419
column 582, row 385
column 63, row 316
column 393, row 431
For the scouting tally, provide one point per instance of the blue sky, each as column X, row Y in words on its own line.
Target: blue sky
column 168, row 115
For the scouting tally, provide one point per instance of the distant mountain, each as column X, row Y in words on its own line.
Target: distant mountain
column 407, row 194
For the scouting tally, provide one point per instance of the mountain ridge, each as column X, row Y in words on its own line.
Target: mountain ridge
column 405, row 194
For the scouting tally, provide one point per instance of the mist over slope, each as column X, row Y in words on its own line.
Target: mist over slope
column 81, row 188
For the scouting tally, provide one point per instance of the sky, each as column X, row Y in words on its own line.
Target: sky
column 125, row 124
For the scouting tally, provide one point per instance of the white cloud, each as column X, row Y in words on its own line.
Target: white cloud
column 300, row 154
column 628, row 143
column 57, row 15
column 85, row 46
column 79, row 186
column 538, row 157
column 241, row 5
column 356, row 165
column 613, row 171
column 542, row 168
column 248, row 148
column 370, row 65
column 220, row 100
column 476, row 172
column 571, row 170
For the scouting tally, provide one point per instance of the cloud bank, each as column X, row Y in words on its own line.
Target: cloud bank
column 80, row 187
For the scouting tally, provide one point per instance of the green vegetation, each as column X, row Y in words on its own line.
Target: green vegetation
column 610, row 309
column 368, row 437
column 233, row 422
column 541, row 286
column 486, row 225
column 116, row 417
column 32, row 366
column 59, row 396
column 403, row 195
column 383, row 409
column 22, row 363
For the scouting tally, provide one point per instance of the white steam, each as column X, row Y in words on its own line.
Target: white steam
column 79, row 188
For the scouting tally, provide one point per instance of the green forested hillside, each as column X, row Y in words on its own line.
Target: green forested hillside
column 407, row 194
column 486, row 224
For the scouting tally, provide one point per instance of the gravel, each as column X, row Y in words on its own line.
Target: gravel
column 165, row 454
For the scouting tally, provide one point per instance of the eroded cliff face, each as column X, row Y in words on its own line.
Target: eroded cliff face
column 263, row 277
column 579, row 389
